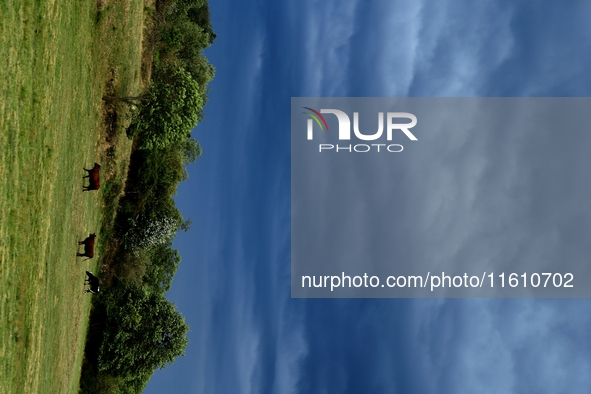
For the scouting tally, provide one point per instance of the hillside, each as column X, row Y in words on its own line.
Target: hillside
column 62, row 65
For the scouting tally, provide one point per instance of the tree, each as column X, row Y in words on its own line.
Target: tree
column 190, row 150
column 175, row 106
column 199, row 68
column 164, row 261
column 143, row 332
column 146, row 233
column 200, row 16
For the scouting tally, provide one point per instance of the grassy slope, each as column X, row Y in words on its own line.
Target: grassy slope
column 55, row 58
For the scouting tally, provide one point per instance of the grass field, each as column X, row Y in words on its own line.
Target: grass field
column 56, row 60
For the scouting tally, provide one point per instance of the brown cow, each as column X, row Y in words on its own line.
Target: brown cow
column 88, row 247
column 94, row 178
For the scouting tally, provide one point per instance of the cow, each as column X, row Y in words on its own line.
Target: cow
column 93, row 283
column 94, row 178
column 88, row 246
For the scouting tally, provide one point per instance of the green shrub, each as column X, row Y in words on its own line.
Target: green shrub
column 174, row 107
column 143, row 332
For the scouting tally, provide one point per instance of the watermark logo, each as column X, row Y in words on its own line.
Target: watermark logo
column 315, row 115
column 391, row 119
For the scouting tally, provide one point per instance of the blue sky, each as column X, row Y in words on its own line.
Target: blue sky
column 247, row 334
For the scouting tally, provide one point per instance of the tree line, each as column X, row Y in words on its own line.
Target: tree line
column 134, row 329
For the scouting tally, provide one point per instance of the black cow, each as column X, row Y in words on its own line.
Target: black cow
column 93, row 283
column 94, row 178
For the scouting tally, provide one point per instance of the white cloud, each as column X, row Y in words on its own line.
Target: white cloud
column 503, row 346
column 291, row 349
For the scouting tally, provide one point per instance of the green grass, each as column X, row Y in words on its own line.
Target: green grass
column 56, row 60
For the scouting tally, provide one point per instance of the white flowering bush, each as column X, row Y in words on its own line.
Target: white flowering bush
column 146, row 234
